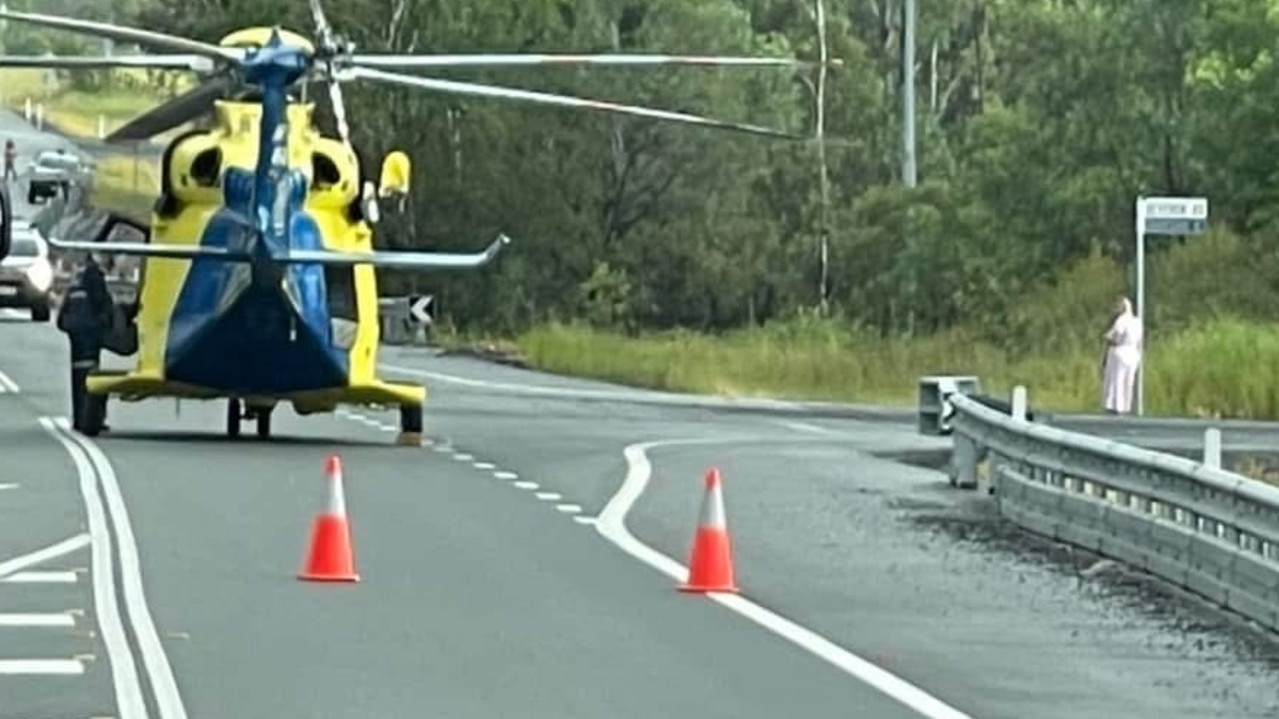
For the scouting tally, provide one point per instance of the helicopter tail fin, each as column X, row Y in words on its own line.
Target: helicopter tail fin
column 399, row 260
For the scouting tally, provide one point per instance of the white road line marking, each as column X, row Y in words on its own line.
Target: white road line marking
column 38, row 577
column 612, row 525
column 806, row 427
column 60, row 619
column 388, row 427
column 569, row 508
column 462, row 457
column 158, row 670
column 483, row 465
column 8, row 385
column 586, row 520
column 64, row 547
column 9, row 485
column 443, row 448
column 525, row 485
column 41, row 666
column 503, row 474
column 124, row 673
column 549, row 496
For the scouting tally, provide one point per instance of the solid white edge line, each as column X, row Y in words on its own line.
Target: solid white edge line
column 612, row 526
column 124, row 674
column 41, row 666
column 161, row 674
column 53, row 619
column 8, row 384
column 66, row 546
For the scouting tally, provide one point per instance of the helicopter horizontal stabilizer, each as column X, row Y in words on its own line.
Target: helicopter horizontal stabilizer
column 399, row 260
column 147, row 249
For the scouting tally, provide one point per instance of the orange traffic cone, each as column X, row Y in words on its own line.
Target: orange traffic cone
column 330, row 558
column 710, row 569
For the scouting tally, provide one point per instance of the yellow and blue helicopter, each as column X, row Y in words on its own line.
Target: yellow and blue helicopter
column 257, row 279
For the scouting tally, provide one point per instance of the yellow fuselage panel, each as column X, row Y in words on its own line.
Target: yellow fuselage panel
column 194, row 172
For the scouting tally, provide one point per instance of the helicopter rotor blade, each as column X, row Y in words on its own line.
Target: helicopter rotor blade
column 504, row 93
column 121, row 33
column 195, row 63
column 329, row 44
column 181, row 109
column 499, row 60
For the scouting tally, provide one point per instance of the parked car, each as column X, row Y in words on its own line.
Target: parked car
column 53, row 171
column 26, row 274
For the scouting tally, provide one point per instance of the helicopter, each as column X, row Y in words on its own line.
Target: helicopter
column 257, row 283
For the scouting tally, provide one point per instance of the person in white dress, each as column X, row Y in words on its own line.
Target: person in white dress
column 1123, row 359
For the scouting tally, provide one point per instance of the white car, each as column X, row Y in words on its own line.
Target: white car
column 26, row 274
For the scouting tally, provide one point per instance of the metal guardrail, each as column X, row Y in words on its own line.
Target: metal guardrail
column 1213, row 532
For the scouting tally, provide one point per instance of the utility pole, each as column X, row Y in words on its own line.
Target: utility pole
column 821, row 158
column 908, row 93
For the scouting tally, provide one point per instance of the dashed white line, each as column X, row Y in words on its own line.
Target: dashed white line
column 612, row 526
column 66, row 546
column 586, row 520
column 484, row 465
column 462, row 457
column 9, row 485
column 549, row 496
column 41, row 666
column 569, row 508
column 58, row 619
column 525, row 485
column 38, row 577
column 8, row 385
column 502, row 474
column 443, row 448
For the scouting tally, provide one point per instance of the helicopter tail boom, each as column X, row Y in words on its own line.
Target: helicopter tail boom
column 377, row 258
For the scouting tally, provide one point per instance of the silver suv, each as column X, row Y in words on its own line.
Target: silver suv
column 55, row 170
column 26, row 274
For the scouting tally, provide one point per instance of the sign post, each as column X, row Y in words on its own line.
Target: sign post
column 1175, row 216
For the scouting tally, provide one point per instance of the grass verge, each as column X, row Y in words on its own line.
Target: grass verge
column 1195, row 372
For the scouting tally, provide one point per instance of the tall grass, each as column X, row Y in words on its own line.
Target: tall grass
column 1227, row 368
column 1211, row 347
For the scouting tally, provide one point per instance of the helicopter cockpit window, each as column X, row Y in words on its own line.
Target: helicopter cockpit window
column 207, row 167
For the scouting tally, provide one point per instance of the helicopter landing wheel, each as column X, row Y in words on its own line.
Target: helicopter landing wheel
column 410, row 425
column 263, row 417
column 234, row 413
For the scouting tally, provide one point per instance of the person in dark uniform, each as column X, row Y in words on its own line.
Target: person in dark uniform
column 85, row 316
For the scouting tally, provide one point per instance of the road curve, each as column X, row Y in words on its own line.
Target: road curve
column 497, row 578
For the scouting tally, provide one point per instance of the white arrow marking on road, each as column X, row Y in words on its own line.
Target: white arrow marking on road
column 60, row 619
column 37, row 577
column 41, row 666
column 66, row 546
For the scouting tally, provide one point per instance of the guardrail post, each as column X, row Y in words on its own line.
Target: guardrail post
column 963, row 462
column 40, row 117
column 26, row 109
column 1212, row 447
column 1019, row 403
column 102, row 126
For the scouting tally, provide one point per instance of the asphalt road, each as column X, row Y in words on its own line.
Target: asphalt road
column 514, row 566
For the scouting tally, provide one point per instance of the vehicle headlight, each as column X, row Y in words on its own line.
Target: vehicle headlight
column 41, row 275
